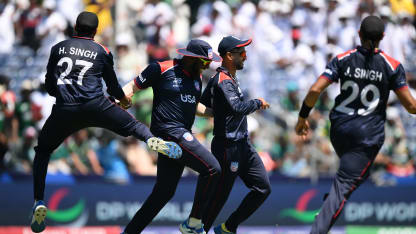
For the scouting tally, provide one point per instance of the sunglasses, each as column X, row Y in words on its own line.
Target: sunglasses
column 205, row 62
column 242, row 53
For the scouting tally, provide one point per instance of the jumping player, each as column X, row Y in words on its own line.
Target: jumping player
column 367, row 75
column 177, row 89
column 231, row 145
column 75, row 71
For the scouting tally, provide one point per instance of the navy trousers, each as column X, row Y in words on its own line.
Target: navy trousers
column 65, row 120
column 169, row 172
column 237, row 158
column 355, row 162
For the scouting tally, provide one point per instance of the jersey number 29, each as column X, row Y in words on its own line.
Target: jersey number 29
column 369, row 104
column 85, row 66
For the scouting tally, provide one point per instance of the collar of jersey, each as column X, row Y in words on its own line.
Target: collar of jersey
column 223, row 69
column 86, row 38
column 366, row 51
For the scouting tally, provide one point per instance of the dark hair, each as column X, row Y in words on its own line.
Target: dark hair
column 86, row 24
column 372, row 29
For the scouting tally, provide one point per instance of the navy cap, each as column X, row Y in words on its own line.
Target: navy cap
column 86, row 21
column 231, row 42
column 199, row 49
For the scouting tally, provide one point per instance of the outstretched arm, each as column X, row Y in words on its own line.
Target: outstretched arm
column 302, row 126
column 406, row 99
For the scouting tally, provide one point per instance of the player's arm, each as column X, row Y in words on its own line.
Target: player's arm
column 130, row 89
column 50, row 81
column 302, row 126
column 145, row 79
column 110, row 78
column 400, row 87
column 204, row 107
column 237, row 106
column 406, row 99
column 204, row 111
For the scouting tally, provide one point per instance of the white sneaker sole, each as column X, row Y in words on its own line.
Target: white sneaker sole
column 170, row 149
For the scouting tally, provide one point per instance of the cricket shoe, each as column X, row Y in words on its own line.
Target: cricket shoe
column 38, row 216
column 186, row 229
column 168, row 148
column 221, row 229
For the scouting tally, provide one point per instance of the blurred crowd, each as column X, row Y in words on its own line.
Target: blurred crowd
column 292, row 42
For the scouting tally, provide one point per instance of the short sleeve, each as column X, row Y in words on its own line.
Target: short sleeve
column 148, row 76
column 398, row 80
column 331, row 70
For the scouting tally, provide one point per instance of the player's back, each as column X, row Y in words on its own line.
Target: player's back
column 76, row 68
column 366, row 80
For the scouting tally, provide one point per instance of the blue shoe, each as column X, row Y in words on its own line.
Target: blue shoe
column 168, row 148
column 38, row 217
column 221, row 229
column 186, row 229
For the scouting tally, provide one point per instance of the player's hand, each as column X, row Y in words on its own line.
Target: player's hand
column 302, row 127
column 125, row 102
column 264, row 104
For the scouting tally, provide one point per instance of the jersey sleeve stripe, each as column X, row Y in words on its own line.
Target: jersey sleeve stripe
column 403, row 87
column 346, row 54
column 137, row 84
column 390, row 61
column 325, row 77
column 223, row 77
column 166, row 65
column 105, row 48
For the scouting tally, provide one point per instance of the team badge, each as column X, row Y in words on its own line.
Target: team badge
column 188, row 136
column 210, row 55
column 197, row 85
column 177, row 82
column 234, row 166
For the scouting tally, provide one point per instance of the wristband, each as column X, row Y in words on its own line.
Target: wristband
column 304, row 110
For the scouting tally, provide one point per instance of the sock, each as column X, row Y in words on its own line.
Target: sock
column 193, row 222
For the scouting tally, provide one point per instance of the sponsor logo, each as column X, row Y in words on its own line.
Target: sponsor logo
column 300, row 213
column 141, row 78
column 75, row 216
column 328, row 71
column 188, row 98
column 234, row 166
column 188, row 136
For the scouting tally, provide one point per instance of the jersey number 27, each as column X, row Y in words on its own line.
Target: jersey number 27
column 85, row 66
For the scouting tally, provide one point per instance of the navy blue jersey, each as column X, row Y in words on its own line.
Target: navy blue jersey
column 75, row 70
column 176, row 95
column 224, row 96
column 359, row 112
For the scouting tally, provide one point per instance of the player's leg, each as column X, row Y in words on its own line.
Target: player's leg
column 169, row 171
column 228, row 155
column 353, row 170
column 112, row 117
column 255, row 177
column 58, row 126
column 202, row 161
